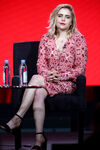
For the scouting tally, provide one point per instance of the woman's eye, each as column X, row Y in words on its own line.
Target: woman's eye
column 67, row 17
column 59, row 15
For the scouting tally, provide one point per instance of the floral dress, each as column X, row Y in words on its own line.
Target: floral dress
column 70, row 63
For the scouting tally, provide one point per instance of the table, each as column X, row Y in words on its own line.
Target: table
column 6, row 92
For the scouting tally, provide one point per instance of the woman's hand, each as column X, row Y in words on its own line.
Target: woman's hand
column 53, row 76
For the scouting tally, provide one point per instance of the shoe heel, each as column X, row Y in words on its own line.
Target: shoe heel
column 44, row 145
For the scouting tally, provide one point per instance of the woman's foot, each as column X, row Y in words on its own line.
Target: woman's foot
column 15, row 122
column 12, row 124
column 40, row 142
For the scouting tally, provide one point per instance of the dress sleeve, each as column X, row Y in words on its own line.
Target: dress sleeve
column 42, row 67
column 79, row 66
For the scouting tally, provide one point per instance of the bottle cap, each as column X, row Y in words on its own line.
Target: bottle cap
column 23, row 61
column 6, row 61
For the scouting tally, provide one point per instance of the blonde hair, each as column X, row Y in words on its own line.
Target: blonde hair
column 52, row 27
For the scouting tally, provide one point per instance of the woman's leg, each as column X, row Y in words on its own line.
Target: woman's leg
column 39, row 114
column 27, row 100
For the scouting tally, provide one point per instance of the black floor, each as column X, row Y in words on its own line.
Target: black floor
column 55, row 140
column 58, row 138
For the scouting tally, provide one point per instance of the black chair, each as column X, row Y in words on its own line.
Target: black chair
column 67, row 104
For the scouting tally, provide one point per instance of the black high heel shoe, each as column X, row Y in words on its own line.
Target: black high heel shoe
column 7, row 129
column 43, row 145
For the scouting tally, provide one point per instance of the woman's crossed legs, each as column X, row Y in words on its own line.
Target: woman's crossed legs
column 36, row 97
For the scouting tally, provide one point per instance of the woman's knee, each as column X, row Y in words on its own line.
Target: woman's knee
column 41, row 93
column 37, row 80
column 40, row 96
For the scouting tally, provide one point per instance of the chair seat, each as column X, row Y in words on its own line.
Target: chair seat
column 63, row 102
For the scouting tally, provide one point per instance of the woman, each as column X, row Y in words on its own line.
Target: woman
column 62, row 57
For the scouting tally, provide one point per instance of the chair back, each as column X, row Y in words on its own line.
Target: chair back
column 27, row 51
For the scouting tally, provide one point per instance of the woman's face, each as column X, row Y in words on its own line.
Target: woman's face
column 63, row 19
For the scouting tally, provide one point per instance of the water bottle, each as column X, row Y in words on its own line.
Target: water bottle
column 6, row 74
column 23, row 73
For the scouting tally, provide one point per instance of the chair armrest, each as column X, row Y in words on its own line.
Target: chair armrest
column 81, row 85
column 81, row 91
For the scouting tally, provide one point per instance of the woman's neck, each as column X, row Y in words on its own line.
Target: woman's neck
column 62, row 34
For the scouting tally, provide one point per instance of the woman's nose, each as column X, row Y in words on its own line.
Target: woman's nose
column 63, row 18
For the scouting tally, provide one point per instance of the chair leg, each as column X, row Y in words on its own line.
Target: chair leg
column 18, row 138
column 81, row 128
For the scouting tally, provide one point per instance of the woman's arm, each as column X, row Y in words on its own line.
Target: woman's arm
column 42, row 66
column 80, row 61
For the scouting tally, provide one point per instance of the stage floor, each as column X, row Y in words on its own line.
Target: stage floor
column 7, row 140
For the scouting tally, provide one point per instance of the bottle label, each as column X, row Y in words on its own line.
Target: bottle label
column 3, row 77
column 25, row 77
column 6, row 75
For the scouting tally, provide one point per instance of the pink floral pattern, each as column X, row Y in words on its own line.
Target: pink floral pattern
column 70, row 63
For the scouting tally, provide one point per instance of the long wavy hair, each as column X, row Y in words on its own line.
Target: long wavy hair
column 52, row 27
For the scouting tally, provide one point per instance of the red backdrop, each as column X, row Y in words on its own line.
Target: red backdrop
column 26, row 20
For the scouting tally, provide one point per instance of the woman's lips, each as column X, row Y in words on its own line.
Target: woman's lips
column 62, row 23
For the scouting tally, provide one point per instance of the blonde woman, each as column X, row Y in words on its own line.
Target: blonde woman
column 62, row 56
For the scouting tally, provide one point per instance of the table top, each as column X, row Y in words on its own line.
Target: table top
column 20, row 87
